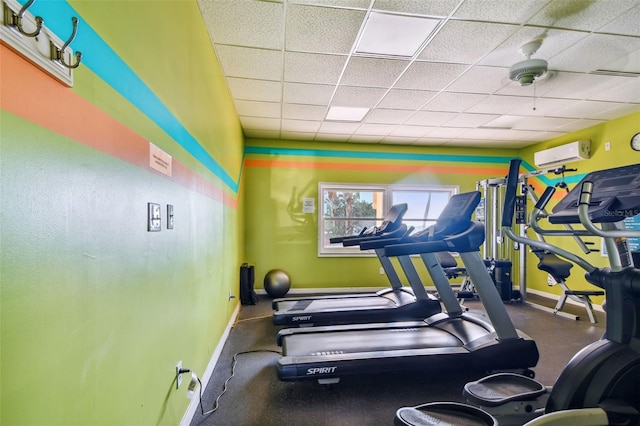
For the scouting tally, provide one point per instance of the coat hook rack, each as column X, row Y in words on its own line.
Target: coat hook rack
column 15, row 19
column 17, row 24
column 58, row 54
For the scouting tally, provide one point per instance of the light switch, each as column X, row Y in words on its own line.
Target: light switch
column 154, row 219
column 169, row 216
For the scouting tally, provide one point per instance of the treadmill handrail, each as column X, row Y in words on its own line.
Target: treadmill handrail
column 401, row 230
column 469, row 240
column 586, row 192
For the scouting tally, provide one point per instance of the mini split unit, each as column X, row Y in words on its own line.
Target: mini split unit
column 574, row 151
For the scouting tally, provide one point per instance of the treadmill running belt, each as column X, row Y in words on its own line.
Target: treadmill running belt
column 301, row 305
column 382, row 340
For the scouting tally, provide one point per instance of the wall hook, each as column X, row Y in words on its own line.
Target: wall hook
column 14, row 20
column 58, row 54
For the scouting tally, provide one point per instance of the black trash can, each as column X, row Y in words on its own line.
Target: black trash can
column 502, row 278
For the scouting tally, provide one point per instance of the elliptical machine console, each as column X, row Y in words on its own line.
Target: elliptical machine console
column 601, row 383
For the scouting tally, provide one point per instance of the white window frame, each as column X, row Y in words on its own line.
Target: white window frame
column 337, row 250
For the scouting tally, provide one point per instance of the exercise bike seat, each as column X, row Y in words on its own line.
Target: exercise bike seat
column 552, row 264
column 501, row 388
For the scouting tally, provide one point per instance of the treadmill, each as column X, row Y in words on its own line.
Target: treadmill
column 397, row 303
column 455, row 339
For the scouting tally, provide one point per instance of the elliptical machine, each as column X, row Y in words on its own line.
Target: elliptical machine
column 601, row 383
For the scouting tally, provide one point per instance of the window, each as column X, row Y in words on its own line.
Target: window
column 346, row 209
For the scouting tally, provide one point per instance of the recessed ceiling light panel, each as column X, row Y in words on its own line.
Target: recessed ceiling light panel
column 394, row 35
column 337, row 113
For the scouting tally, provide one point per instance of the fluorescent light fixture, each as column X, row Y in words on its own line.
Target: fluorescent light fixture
column 394, row 35
column 337, row 113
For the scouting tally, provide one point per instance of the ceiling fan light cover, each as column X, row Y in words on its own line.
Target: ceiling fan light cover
column 525, row 72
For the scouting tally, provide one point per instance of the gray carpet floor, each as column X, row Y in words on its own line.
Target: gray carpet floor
column 255, row 396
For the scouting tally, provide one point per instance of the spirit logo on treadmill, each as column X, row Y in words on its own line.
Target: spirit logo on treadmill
column 301, row 318
column 320, row 370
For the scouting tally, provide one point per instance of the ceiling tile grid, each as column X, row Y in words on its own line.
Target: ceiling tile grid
column 288, row 62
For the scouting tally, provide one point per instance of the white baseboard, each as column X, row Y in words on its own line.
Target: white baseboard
column 195, row 401
column 334, row 290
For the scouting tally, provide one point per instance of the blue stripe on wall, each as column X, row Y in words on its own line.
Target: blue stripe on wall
column 321, row 153
column 104, row 62
column 374, row 155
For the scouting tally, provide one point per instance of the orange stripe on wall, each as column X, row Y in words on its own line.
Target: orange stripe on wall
column 33, row 95
column 375, row 167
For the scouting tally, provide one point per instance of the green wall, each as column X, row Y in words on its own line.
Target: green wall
column 278, row 174
column 95, row 310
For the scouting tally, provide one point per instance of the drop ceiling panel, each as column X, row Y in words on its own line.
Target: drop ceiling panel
column 406, row 99
column 388, row 116
column 576, row 86
column 429, row 76
column 374, row 72
column 338, row 127
column 579, row 124
column 506, row 11
column 304, row 112
column 288, row 62
column 258, row 109
column 544, row 123
column 360, row 97
column 580, row 14
column 302, row 126
column 481, row 80
column 376, row 129
column 224, row 18
column 322, row 29
column 626, row 23
column 587, row 109
column 594, row 52
column 313, row 68
column 626, row 92
column 257, row 90
column 358, row 4
column 479, row 37
column 499, row 104
column 429, row 118
column 538, row 107
column 429, row 8
column 447, row 101
column 313, row 94
column 410, row 131
column 250, row 63
column 470, row 120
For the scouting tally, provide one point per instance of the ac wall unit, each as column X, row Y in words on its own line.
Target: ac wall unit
column 574, row 151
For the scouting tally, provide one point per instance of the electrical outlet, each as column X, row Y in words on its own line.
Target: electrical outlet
column 381, row 270
column 178, row 375
column 607, row 146
column 231, row 296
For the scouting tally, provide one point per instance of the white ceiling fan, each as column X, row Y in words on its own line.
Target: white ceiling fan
column 527, row 71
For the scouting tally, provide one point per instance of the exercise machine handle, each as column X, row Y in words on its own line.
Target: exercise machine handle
column 584, row 201
column 545, row 197
column 510, row 193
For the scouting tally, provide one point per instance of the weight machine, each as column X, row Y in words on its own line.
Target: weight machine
column 503, row 249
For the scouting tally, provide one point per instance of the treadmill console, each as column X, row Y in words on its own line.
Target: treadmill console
column 391, row 221
column 616, row 195
column 457, row 213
